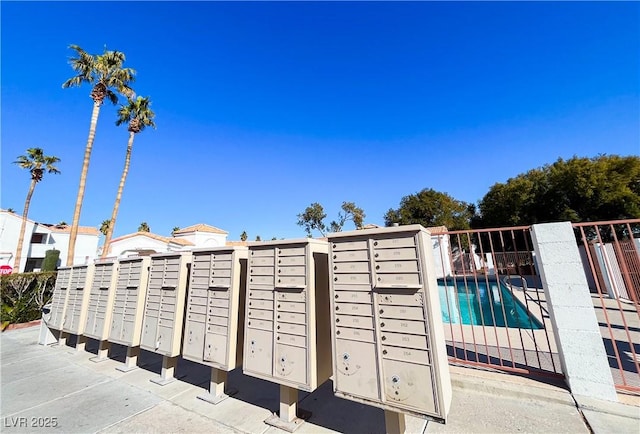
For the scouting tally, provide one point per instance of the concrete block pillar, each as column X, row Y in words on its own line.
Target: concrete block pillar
column 582, row 353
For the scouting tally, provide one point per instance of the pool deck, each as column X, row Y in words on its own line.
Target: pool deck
column 39, row 382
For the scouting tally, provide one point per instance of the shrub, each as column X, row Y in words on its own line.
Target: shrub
column 22, row 296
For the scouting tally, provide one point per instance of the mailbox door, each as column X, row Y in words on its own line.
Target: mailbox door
column 258, row 354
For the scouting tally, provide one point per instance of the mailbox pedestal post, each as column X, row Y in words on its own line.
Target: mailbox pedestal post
column 168, row 369
column 288, row 419
column 394, row 422
column 81, row 342
column 216, row 388
column 131, row 362
column 62, row 339
column 103, row 352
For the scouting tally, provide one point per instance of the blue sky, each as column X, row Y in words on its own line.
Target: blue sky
column 263, row 108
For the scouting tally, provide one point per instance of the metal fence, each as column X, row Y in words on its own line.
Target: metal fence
column 610, row 253
column 493, row 305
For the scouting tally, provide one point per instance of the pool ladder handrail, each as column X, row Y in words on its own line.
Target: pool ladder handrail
column 507, row 281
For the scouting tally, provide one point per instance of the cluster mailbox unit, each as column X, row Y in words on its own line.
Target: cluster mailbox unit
column 77, row 299
column 59, row 300
column 215, row 313
column 100, row 307
column 287, row 320
column 128, row 306
column 388, row 339
column 164, row 310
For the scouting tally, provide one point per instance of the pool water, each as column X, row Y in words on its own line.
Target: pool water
column 479, row 304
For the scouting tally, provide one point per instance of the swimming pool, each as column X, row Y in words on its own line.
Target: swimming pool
column 479, row 304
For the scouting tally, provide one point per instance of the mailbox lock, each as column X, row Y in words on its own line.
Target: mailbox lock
column 279, row 261
column 337, row 319
column 384, row 352
column 345, row 356
column 375, row 256
column 395, row 379
column 249, row 303
column 278, row 306
column 278, row 316
column 375, row 243
column 335, row 279
column 335, row 267
column 379, row 279
column 381, row 324
column 334, row 245
column 334, row 256
column 377, row 267
column 336, row 296
column 384, row 338
column 337, row 332
column 278, row 338
column 278, row 327
column 337, row 307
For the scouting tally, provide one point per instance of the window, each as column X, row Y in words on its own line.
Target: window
column 38, row 238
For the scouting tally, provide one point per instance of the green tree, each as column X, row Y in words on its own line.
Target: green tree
column 258, row 238
column 11, row 210
column 174, row 230
column 313, row 218
column 144, row 227
column 137, row 114
column 431, row 208
column 244, row 236
column 37, row 164
column 105, row 73
column 577, row 189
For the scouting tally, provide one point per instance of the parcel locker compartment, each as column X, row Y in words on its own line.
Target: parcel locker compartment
column 349, row 245
column 410, row 266
column 165, row 339
column 221, row 272
column 355, row 334
column 356, row 370
column 149, row 332
column 219, row 302
column 351, row 256
column 116, row 326
column 291, row 306
column 193, row 343
column 392, row 242
column 354, row 321
column 352, row 296
column 198, row 317
column 260, row 314
column 260, row 294
column 402, row 312
column 418, row 342
column 291, row 260
column 351, row 267
column 220, row 264
column 292, row 270
column 261, row 280
column 292, row 329
column 261, row 304
column 219, row 311
column 291, row 281
column 398, row 280
column 261, row 271
column 296, row 318
column 256, row 252
column 197, row 309
column 218, row 329
column 291, row 296
column 406, row 354
column 395, row 254
column 260, row 324
column 215, row 348
column 352, row 279
column 290, row 251
column 294, row 340
column 291, row 363
column 128, row 328
column 261, row 261
column 198, row 301
column 403, row 326
column 414, row 299
column 408, row 385
column 354, row 309
column 258, row 354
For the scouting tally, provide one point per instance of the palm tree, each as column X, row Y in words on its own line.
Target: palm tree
column 244, row 236
column 104, row 227
column 144, row 227
column 174, row 230
column 104, row 72
column 37, row 163
column 138, row 115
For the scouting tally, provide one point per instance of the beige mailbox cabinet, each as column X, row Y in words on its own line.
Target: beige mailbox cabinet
column 100, row 307
column 164, row 308
column 287, row 337
column 59, row 298
column 77, row 299
column 388, row 339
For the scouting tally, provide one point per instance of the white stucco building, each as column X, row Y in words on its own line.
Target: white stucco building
column 40, row 237
column 200, row 235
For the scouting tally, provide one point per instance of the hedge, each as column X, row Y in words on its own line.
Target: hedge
column 22, row 296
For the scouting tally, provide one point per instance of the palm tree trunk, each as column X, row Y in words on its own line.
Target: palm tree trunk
column 116, row 205
column 83, row 181
column 23, row 227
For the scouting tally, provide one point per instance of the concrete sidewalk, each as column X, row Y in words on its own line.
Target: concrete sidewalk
column 40, row 383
